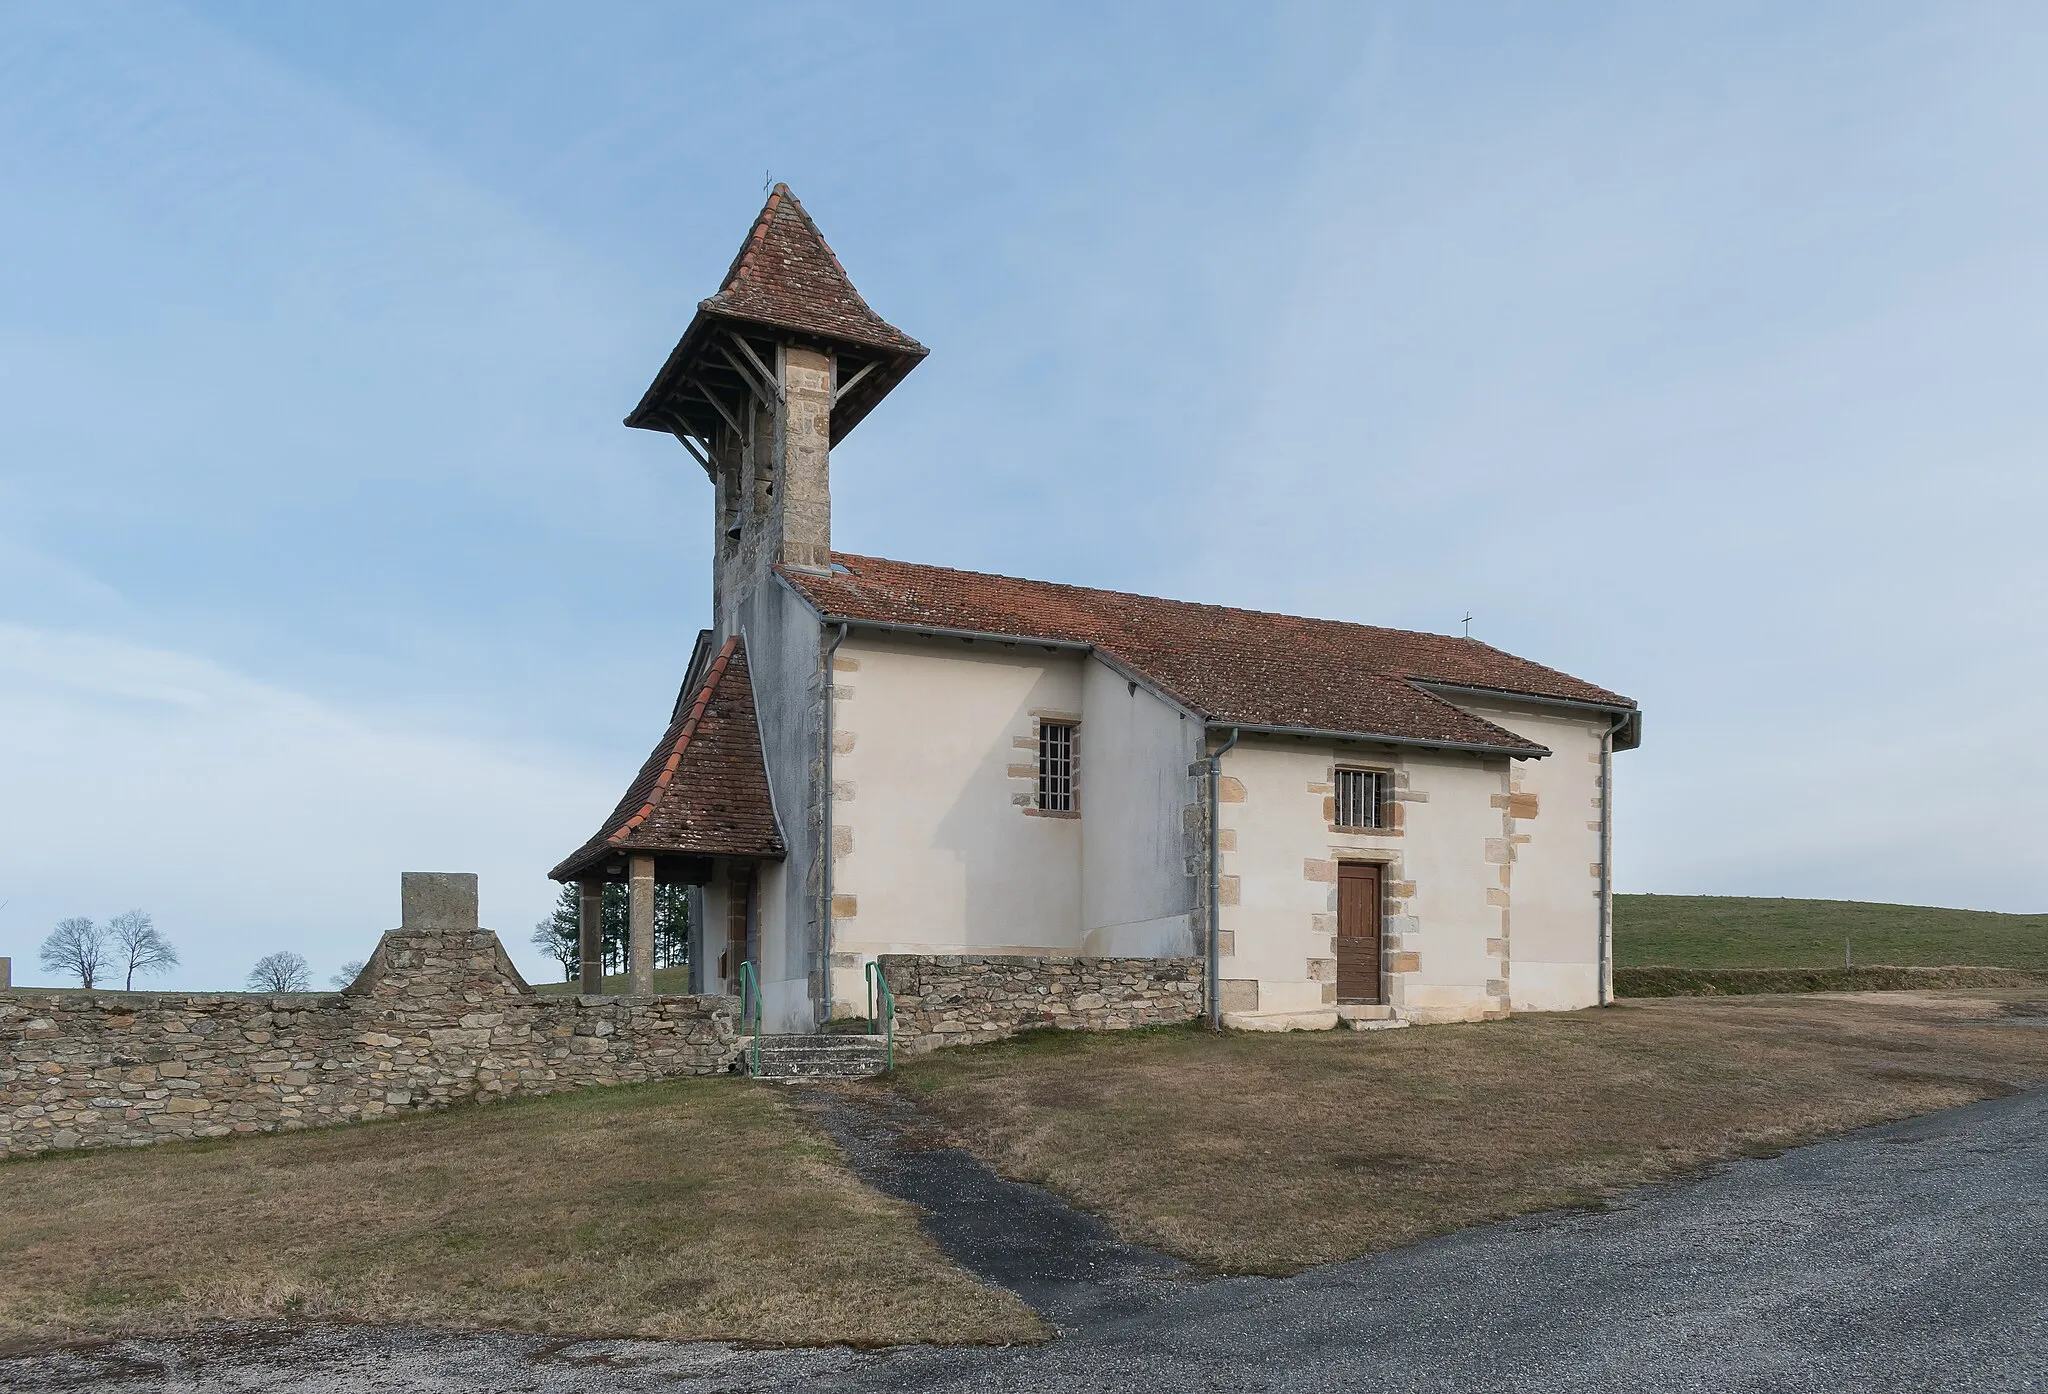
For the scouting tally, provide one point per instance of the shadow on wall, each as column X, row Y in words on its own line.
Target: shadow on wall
column 439, row 1015
column 1017, row 872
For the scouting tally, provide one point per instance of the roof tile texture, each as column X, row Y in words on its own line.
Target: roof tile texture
column 704, row 789
column 1227, row 665
column 786, row 276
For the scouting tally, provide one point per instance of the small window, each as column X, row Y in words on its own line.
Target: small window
column 1056, row 766
column 1362, row 797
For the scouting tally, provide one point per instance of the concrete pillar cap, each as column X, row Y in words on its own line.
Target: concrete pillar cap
column 437, row 900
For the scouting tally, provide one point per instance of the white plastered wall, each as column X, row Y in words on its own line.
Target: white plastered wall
column 1137, row 876
column 936, row 849
column 1555, row 901
column 785, row 986
column 1458, row 859
column 707, row 935
column 1444, row 950
column 785, row 1000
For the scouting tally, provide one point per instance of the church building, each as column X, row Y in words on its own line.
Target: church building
column 876, row 757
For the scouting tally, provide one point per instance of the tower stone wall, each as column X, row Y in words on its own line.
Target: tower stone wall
column 774, row 486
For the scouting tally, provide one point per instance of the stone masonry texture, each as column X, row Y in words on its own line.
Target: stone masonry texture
column 440, row 1016
column 961, row 999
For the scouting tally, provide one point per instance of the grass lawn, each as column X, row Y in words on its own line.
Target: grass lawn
column 1714, row 931
column 689, row 1209
column 1267, row 1153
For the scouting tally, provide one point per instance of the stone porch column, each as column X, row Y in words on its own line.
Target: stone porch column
column 590, row 936
column 640, row 926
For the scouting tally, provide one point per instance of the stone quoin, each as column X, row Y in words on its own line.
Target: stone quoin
column 872, row 761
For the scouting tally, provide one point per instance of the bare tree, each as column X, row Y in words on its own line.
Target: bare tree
column 350, row 971
column 76, row 948
column 139, row 944
column 559, row 944
column 281, row 972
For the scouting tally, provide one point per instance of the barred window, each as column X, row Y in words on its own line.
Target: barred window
column 1056, row 766
column 1362, row 797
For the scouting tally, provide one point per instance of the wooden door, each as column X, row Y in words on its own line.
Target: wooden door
column 1358, row 932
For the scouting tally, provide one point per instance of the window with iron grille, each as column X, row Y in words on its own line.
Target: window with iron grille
column 1362, row 797
column 1056, row 766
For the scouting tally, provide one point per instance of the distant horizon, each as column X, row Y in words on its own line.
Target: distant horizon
column 548, row 978
column 1837, row 900
column 1691, row 351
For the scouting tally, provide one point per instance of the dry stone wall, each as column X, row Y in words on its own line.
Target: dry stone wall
column 959, row 999
column 439, row 1016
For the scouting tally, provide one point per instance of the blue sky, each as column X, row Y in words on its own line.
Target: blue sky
column 1695, row 350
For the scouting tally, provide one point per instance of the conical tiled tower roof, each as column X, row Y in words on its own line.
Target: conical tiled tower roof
column 785, row 285
column 786, row 276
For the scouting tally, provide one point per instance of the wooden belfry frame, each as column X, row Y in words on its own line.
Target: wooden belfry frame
column 751, row 360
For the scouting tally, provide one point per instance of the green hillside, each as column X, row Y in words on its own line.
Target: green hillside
column 1717, row 931
column 676, row 979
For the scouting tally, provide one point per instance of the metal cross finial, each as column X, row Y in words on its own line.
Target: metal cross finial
column 767, row 180
column 1468, row 624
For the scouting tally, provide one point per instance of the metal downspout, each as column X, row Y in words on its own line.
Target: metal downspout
column 1215, row 966
column 831, row 654
column 1603, row 993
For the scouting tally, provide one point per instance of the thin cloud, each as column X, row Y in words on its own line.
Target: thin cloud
column 247, row 817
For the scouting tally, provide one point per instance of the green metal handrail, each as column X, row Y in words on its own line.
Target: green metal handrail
column 881, row 1000
column 750, row 996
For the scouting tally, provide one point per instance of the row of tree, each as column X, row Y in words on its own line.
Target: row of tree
column 556, row 935
column 128, row 944
column 131, row 944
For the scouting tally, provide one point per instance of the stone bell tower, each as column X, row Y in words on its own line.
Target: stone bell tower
column 773, row 371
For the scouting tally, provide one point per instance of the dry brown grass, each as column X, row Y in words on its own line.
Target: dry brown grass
column 1268, row 1153
column 693, row 1209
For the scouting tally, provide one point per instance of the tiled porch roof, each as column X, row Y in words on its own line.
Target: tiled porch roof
column 704, row 789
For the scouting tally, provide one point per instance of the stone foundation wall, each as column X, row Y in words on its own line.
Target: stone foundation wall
column 439, row 1016
column 959, row 999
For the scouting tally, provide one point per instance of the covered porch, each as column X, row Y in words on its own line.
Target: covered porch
column 697, row 815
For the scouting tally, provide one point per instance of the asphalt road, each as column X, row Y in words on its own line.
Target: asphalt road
column 1912, row 1257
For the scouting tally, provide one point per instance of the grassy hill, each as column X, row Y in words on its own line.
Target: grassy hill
column 675, row 979
column 1729, row 931
column 1716, row 931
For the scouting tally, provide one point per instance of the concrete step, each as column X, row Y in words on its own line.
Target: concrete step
column 833, row 1041
column 1323, row 1020
column 836, row 1069
column 816, row 1056
column 1364, row 1011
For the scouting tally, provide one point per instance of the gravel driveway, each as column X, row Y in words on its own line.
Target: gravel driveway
column 1908, row 1257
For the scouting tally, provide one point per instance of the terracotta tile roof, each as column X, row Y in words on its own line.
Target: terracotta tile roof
column 1228, row 666
column 784, row 282
column 704, row 789
column 786, row 276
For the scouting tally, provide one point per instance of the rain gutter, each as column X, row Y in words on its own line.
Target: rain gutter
column 1215, row 956
column 1604, row 993
column 825, row 879
column 1519, row 752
